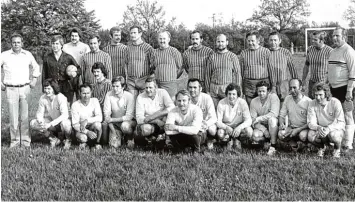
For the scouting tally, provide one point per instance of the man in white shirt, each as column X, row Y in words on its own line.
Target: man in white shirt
column 52, row 115
column 17, row 64
column 75, row 47
column 119, row 113
column 87, row 118
column 184, row 123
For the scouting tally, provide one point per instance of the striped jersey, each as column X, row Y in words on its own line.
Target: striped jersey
column 167, row 63
column 317, row 61
column 138, row 58
column 89, row 60
column 222, row 68
column 255, row 63
column 100, row 89
column 280, row 60
column 117, row 53
column 195, row 61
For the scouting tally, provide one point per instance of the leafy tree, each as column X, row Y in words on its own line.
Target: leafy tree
column 150, row 16
column 37, row 20
column 350, row 13
column 281, row 14
column 180, row 35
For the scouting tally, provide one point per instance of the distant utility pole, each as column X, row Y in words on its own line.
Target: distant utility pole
column 213, row 19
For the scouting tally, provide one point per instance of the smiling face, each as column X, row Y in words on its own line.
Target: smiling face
column 196, row 40
column 274, row 42
column 85, row 94
column 194, row 89
column 295, row 88
column 56, row 46
column 163, row 40
column 16, row 44
column 135, row 35
column 99, row 76
column 183, row 101
column 316, row 42
column 116, row 37
column 74, row 37
column 232, row 96
column 117, row 88
column 48, row 91
column 94, row 44
column 320, row 96
column 253, row 42
column 221, row 42
column 262, row 92
column 150, row 89
column 338, row 38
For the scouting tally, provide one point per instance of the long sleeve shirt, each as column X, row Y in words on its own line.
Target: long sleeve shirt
column 89, row 60
column 18, row 67
column 167, row 63
column 195, row 61
column 116, row 107
column 100, row 89
column 233, row 116
column 331, row 115
column 341, row 69
column 317, row 61
column 118, row 56
column 222, row 68
column 255, row 64
column 80, row 112
column 297, row 112
column 138, row 59
column 205, row 103
column 280, row 60
column 76, row 50
column 189, row 123
column 55, row 110
column 269, row 109
column 146, row 106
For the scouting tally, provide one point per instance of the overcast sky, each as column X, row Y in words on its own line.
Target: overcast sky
column 190, row 12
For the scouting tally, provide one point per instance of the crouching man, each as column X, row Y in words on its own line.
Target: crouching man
column 264, row 111
column 233, row 118
column 325, row 120
column 52, row 115
column 295, row 106
column 184, row 122
column 87, row 118
column 118, row 112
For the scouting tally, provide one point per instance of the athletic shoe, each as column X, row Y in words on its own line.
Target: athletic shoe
column 230, row 145
column 321, row 152
column 271, row 151
column 209, row 145
column 267, row 145
column 54, row 142
column 336, row 153
column 82, row 146
column 160, row 137
column 67, row 144
column 97, row 147
column 130, row 144
column 237, row 144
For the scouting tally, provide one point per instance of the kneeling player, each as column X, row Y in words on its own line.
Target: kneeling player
column 118, row 113
column 264, row 111
column 325, row 120
column 295, row 107
column 233, row 118
column 184, row 123
column 52, row 115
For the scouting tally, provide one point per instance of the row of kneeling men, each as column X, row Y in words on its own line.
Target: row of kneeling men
column 193, row 120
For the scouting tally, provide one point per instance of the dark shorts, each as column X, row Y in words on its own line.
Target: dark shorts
column 249, row 86
column 170, row 86
column 136, row 83
column 339, row 93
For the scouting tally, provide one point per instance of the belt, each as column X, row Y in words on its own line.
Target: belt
column 19, row 86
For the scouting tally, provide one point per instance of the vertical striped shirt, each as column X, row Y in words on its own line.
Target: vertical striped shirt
column 117, row 53
column 195, row 61
column 88, row 61
column 138, row 58
column 167, row 63
column 279, row 60
column 255, row 64
column 100, row 89
column 222, row 68
column 317, row 61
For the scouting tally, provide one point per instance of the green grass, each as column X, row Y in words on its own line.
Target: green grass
column 40, row 173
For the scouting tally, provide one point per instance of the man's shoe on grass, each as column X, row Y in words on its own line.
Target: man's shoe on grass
column 82, row 146
column 271, row 151
column 130, row 144
column 336, row 153
column 67, row 144
column 230, row 145
column 97, row 147
column 321, row 151
column 237, row 144
column 54, row 142
column 210, row 145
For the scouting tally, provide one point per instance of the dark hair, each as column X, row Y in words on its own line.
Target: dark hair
column 263, row 83
column 151, row 79
column 322, row 86
column 344, row 32
column 194, row 80
column 16, row 35
column 275, row 33
column 231, row 87
column 320, row 34
column 114, row 29
column 52, row 83
column 85, row 85
column 99, row 65
column 256, row 33
column 183, row 92
column 57, row 37
column 197, row 32
column 95, row 36
column 76, row 30
column 297, row 79
column 119, row 79
column 136, row 26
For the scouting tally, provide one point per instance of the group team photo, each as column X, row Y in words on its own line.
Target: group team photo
column 94, row 96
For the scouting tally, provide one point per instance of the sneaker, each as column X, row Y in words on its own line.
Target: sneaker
column 82, row 146
column 14, row 144
column 54, row 142
column 336, row 153
column 321, row 152
column 271, row 151
column 226, row 138
column 97, row 147
column 230, row 145
column 130, row 144
column 237, row 144
column 160, row 137
column 267, row 145
column 67, row 144
column 209, row 145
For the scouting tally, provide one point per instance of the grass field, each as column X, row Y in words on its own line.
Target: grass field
column 40, row 173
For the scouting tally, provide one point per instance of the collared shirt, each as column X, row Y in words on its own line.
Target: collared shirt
column 205, row 102
column 222, row 68
column 331, row 115
column 145, row 106
column 55, row 110
column 100, row 89
column 317, row 60
column 80, row 112
column 138, row 59
column 341, row 67
column 167, row 63
column 189, row 123
column 297, row 112
column 195, row 61
column 89, row 60
column 55, row 69
column 269, row 109
column 77, row 51
column 18, row 67
column 234, row 116
column 115, row 107
column 279, row 60
column 117, row 53
column 255, row 64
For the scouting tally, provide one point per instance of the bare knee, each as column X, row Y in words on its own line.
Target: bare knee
column 272, row 122
column 312, row 136
column 336, row 136
column 303, row 135
column 247, row 132
column 66, row 126
column 257, row 135
column 146, row 129
column 82, row 138
column 97, row 126
column 212, row 130
column 221, row 133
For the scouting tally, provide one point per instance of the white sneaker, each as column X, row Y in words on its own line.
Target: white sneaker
column 130, row 144
column 160, row 137
column 336, row 153
column 67, row 144
column 54, row 142
column 230, row 145
column 97, row 147
column 209, row 145
column 82, row 146
column 237, row 144
column 271, row 151
column 321, row 152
